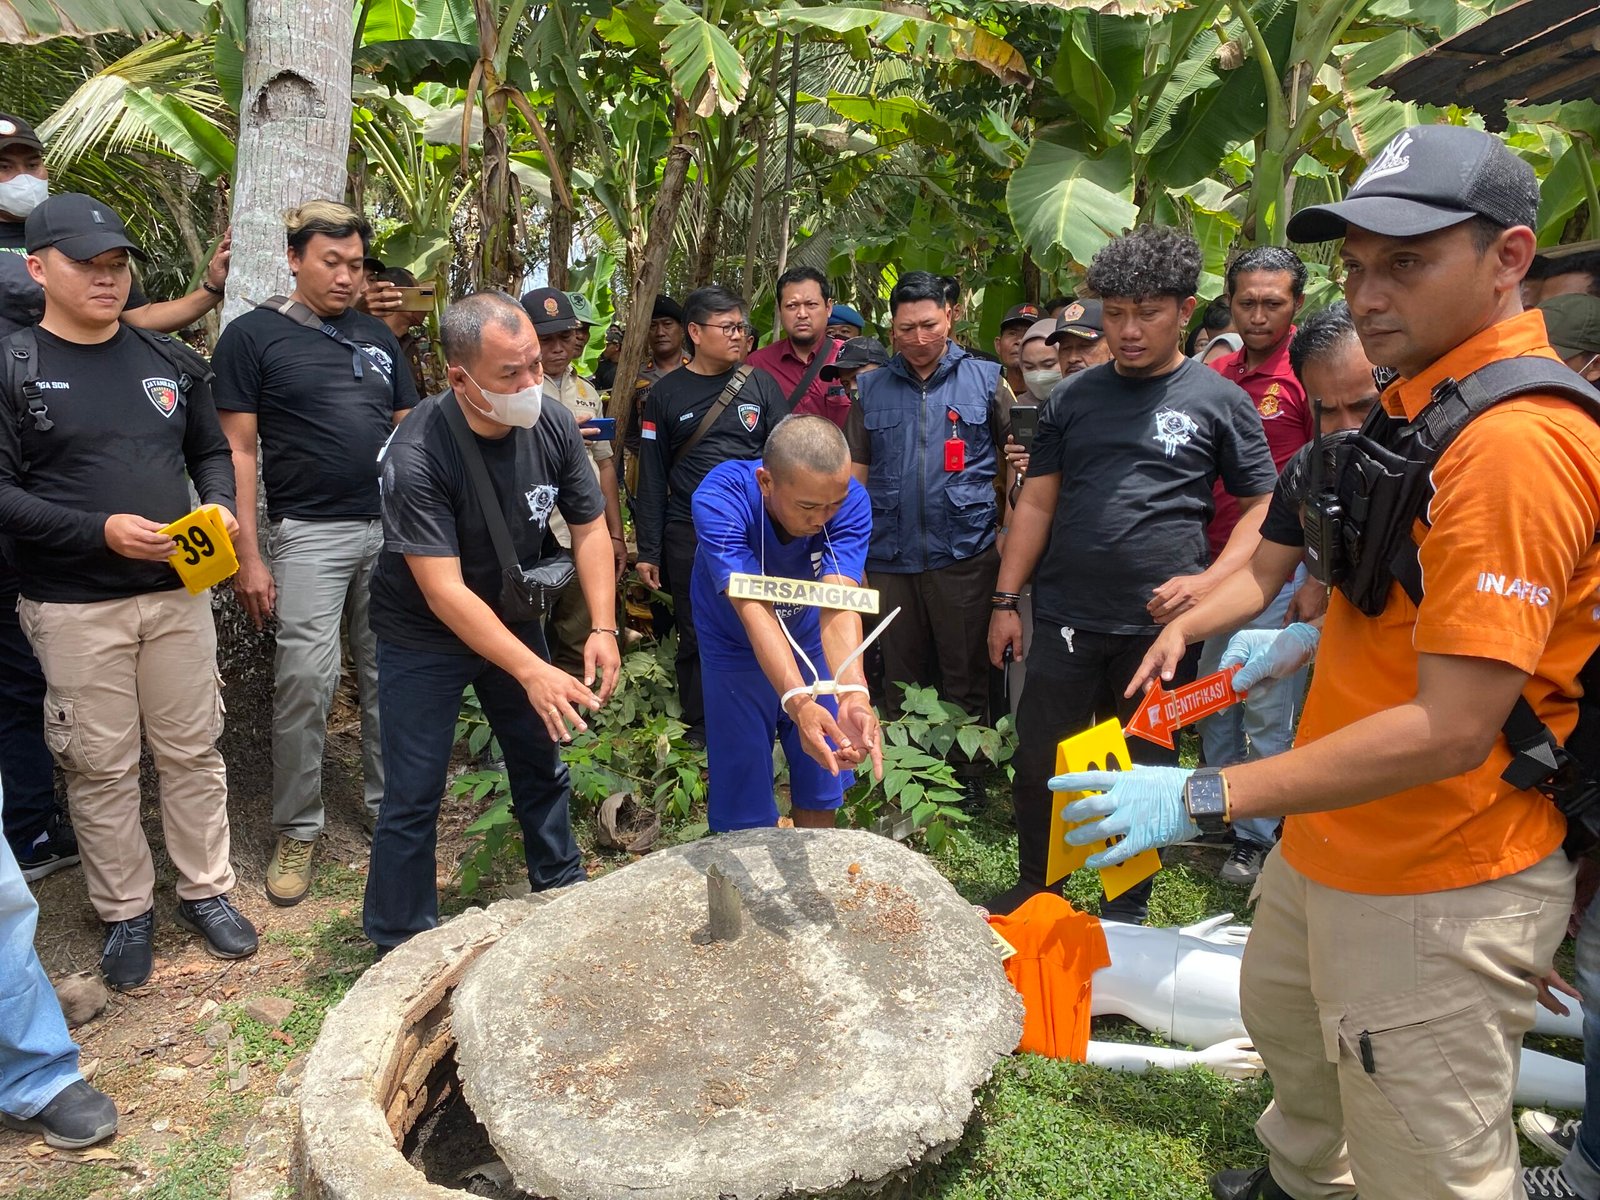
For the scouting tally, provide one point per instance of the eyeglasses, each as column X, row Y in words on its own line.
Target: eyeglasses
column 730, row 329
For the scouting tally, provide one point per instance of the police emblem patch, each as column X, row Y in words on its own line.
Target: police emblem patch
column 163, row 393
column 1269, row 404
column 551, row 308
column 1072, row 311
column 7, row 128
column 749, row 416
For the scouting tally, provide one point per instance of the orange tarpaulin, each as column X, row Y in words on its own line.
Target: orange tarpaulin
column 1058, row 951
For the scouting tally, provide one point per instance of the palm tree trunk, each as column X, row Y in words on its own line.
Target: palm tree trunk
column 294, row 132
column 788, row 158
column 652, row 270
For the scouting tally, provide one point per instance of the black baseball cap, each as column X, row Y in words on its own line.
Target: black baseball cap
column 550, row 309
column 372, row 264
column 1083, row 319
column 79, row 226
column 1429, row 177
column 858, row 352
column 14, row 131
column 1024, row 313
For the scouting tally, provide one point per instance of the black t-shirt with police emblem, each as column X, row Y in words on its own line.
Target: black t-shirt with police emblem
column 122, row 439
column 431, row 509
column 321, row 427
column 1137, row 458
column 672, row 412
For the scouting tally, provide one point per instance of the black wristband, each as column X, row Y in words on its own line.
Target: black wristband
column 1003, row 606
column 215, row 291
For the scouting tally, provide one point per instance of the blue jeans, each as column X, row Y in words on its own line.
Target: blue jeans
column 26, row 768
column 1263, row 724
column 1582, row 1165
column 419, row 700
column 37, row 1056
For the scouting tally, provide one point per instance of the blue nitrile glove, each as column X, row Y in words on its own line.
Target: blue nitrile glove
column 1269, row 653
column 1144, row 806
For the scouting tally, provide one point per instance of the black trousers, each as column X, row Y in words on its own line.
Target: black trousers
column 678, row 542
column 941, row 637
column 1073, row 682
column 27, row 771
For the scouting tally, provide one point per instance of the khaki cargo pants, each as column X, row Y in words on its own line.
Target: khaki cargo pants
column 1391, row 1027
column 110, row 667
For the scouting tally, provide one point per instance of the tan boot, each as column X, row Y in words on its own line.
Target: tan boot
column 289, row 872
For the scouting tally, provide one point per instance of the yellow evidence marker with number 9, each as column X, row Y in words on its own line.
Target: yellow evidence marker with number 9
column 1102, row 748
column 205, row 554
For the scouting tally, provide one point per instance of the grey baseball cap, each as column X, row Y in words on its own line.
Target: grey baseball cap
column 1429, row 177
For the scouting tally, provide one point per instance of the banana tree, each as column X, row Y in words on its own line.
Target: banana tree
column 27, row 22
column 704, row 74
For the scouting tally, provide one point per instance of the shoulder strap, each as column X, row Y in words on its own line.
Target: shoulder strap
column 1456, row 402
column 493, row 516
column 189, row 365
column 818, row 361
column 706, row 422
column 300, row 314
column 1535, row 753
column 22, row 379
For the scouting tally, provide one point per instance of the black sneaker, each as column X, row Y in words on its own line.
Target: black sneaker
column 227, row 932
column 79, row 1116
column 53, row 850
column 1247, row 1185
column 1244, row 864
column 695, row 739
column 1548, row 1183
column 126, row 961
column 1554, row 1135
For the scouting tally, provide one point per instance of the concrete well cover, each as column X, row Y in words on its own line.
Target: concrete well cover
column 611, row 1051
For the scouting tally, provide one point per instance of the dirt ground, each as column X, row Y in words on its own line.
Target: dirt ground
column 184, row 1093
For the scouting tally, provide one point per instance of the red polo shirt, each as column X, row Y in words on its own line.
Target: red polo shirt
column 780, row 361
column 1286, row 415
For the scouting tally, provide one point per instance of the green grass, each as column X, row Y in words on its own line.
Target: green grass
column 336, row 952
column 77, row 1185
column 1048, row 1129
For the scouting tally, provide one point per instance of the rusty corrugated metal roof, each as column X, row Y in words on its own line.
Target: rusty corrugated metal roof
column 1536, row 52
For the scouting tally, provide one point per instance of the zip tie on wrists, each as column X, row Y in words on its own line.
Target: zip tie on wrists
column 823, row 687
column 829, row 687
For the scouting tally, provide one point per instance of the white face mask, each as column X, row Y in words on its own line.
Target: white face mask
column 1041, row 383
column 517, row 409
column 21, row 194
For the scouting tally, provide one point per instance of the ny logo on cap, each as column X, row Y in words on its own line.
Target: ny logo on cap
column 1391, row 160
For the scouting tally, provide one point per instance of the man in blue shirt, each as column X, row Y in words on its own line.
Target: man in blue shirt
column 795, row 515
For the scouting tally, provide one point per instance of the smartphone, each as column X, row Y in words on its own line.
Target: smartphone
column 606, row 425
column 417, row 299
column 1024, row 423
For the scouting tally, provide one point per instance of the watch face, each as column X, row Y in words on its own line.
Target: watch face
column 1205, row 796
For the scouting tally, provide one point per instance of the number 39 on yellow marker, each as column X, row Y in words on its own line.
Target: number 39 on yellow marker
column 205, row 555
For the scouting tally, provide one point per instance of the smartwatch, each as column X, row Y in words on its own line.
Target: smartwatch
column 1205, row 796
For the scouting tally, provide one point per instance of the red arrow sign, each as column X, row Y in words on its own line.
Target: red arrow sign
column 1162, row 713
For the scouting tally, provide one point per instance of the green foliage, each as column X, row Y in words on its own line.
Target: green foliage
column 918, row 778
column 633, row 744
column 1068, row 203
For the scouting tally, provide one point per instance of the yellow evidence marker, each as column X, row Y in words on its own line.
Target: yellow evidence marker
column 1102, row 748
column 205, row 555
